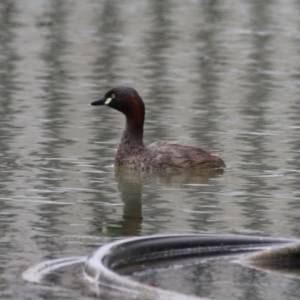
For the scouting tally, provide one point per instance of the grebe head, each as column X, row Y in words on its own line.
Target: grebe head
column 123, row 99
column 129, row 102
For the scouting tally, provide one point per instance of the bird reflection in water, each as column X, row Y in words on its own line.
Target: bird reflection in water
column 131, row 182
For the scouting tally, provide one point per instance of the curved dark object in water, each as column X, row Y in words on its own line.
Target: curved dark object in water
column 105, row 265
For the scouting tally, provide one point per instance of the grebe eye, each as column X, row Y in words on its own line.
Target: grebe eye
column 108, row 100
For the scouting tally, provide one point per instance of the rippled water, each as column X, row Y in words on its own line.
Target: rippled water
column 222, row 75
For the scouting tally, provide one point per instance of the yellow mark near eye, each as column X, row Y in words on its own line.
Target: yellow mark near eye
column 107, row 101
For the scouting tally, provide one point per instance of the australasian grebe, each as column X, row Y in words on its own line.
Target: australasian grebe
column 132, row 152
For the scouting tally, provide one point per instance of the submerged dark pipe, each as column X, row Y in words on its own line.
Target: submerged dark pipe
column 99, row 268
column 175, row 246
column 103, row 269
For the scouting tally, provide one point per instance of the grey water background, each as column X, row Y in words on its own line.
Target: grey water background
column 221, row 75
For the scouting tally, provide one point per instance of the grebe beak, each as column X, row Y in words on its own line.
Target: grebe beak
column 102, row 101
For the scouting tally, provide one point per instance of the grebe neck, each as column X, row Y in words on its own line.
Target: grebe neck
column 133, row 133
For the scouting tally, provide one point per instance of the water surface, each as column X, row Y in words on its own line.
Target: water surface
column 222, row 75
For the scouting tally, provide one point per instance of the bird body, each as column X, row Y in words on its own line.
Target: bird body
column 159, row 155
